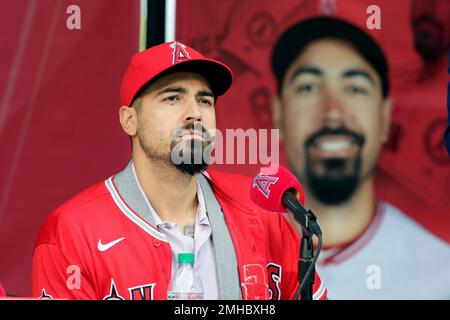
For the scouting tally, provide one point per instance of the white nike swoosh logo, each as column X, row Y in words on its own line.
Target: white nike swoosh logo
column 103, row 247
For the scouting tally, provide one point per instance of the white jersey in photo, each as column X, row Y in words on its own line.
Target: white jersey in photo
column 395, row 258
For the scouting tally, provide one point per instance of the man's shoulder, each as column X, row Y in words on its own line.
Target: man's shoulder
column 80, row 209
column 228, row 179
column 230, row 186
column 395, row 218
column 398, row 222
column 93, row 197
column 235, row 189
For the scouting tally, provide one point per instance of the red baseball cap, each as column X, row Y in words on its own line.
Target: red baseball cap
column 169, row 57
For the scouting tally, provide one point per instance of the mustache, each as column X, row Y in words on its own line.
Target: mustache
column 359, row 138
column 196, row 126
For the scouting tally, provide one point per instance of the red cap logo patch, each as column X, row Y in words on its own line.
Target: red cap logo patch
column 179, row 52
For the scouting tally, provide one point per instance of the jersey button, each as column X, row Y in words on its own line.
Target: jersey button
column 156, row 243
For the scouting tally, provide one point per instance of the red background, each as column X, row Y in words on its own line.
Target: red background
column 59, row 98
column 59, row 101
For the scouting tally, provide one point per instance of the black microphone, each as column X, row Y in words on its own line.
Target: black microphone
column 306, row 218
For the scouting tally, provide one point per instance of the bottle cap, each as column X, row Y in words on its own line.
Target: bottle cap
column 186, row 258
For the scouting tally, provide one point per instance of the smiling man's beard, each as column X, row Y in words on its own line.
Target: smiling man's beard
column 341, row 177
column 333, row 188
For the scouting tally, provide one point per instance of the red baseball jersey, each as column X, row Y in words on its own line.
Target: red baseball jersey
column 96, row 247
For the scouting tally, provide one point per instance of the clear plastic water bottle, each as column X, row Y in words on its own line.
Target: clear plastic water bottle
column 185, row 283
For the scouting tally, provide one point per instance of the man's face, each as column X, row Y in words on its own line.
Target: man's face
column 333, row 118
column 431, row 26
column 176, row 119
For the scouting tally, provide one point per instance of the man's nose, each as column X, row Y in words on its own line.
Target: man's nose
column 193, row 111
column 333, row 112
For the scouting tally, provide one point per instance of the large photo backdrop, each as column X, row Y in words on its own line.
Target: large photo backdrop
column 414, row 169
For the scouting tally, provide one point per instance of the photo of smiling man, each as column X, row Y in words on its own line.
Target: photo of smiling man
column 333, row 110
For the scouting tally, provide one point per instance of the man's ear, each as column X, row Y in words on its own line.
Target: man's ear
column 386, row 110
column 277, row 115
column 128, row 120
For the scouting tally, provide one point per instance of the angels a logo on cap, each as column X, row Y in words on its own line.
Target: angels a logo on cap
column 179, row 52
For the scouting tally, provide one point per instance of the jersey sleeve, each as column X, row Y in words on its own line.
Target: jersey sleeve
column 54, row 276
column 291, row 244
column 58, row 269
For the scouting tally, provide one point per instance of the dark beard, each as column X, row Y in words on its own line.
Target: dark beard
column 191, row 168
column 195, row 163
column 339, row 181
column 200, row 151
column 192, row 163
column 333, row 189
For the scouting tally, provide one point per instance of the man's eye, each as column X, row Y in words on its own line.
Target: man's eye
column 307, row 88
column 205, row 101
column 172, row 98
column 356, row 90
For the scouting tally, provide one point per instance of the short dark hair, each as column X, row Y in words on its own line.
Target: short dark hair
column 297, row 37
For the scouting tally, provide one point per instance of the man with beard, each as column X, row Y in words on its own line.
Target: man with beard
column 431, row 29
column 333, row 111
column 120, row 238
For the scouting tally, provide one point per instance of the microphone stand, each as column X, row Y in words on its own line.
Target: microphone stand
column 306, row 263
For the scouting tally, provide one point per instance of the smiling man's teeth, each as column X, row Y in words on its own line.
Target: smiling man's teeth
column 334, row 145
